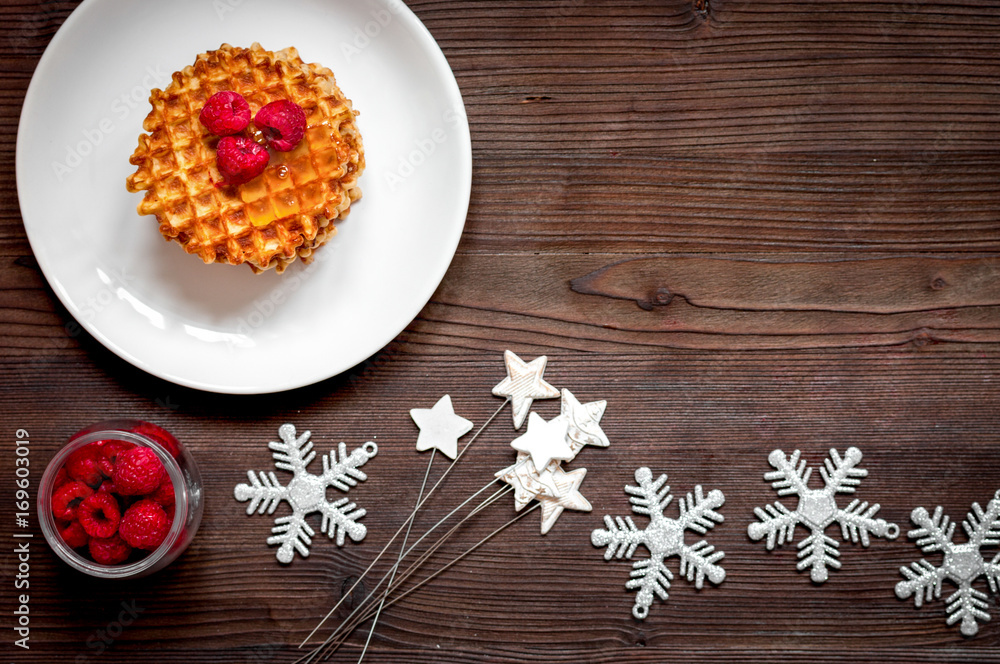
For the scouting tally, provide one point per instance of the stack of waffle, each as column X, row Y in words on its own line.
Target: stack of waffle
column 285, row 213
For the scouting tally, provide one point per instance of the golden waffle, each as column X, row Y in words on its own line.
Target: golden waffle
column 284, row 213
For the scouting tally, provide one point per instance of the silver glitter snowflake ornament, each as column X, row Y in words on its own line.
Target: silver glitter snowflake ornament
column 306, row 493
column 663, row 537
column 817, row 509
column 962, row 565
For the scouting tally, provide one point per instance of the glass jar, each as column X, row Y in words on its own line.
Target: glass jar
column 182, row 472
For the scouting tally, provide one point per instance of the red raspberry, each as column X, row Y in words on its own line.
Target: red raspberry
column 109, row 454
column 283, row 124
column 109, row 551
column 164, row 493
column 74, row 535
column 240, row 160
column 138, row 471
column 225, row 113
column 61, row 478
column 99, row 515
column 107, row 486
column 160, row 435
column 144, row 525
column 66, row 499
column 85, row 465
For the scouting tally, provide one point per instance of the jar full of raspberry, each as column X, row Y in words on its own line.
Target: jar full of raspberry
column 122, row 499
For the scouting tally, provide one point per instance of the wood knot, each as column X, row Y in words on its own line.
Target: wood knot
column 26, row 261
column 700, row 7
column 662, row 297
column 358, row 593
column 922, row 338
column 938, row 283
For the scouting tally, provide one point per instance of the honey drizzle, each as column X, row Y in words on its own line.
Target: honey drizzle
column 284, row 203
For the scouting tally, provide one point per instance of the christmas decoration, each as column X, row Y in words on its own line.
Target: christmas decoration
column 663, row 537
column 962, row 564
column 567, row 496
column 545, row 441
column 817, row 509
column 584, row 421
column 527, row 482
column 440, row 427
column 537, row 475
column 306, row 493
column 545, row 446
column 523, row 384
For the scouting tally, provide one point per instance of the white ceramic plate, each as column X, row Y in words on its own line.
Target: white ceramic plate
column 219, row 327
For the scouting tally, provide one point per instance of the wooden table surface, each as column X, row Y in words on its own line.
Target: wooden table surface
column 747, row 225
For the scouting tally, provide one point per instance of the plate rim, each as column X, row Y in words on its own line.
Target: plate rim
column 445, row 76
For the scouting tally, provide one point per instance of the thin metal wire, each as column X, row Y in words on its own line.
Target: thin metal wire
column 352, row 618
column 445, row 567
column 473, row 512
column 408, row 521
column 421, row 539
column 399, row 558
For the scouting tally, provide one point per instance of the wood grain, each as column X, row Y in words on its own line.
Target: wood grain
column 747, row 225
column 880, row 286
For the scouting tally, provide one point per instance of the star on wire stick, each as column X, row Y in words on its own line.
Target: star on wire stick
column 584, row 421
column 528, row 482
column 440, row 427
column 537, row 475
column 523, row 384
column 545, row 441
column 569, row 498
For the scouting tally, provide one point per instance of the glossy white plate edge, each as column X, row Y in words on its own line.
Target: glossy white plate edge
column 463, row 180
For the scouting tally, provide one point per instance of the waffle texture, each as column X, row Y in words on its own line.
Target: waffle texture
column 288, row 211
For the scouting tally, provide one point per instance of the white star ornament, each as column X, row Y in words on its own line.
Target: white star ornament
column 544, row 441
column 440, row 427
column 523, row 384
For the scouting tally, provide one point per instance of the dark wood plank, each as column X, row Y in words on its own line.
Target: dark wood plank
column 747, row 225
column 603, row 200
column 683, row 414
